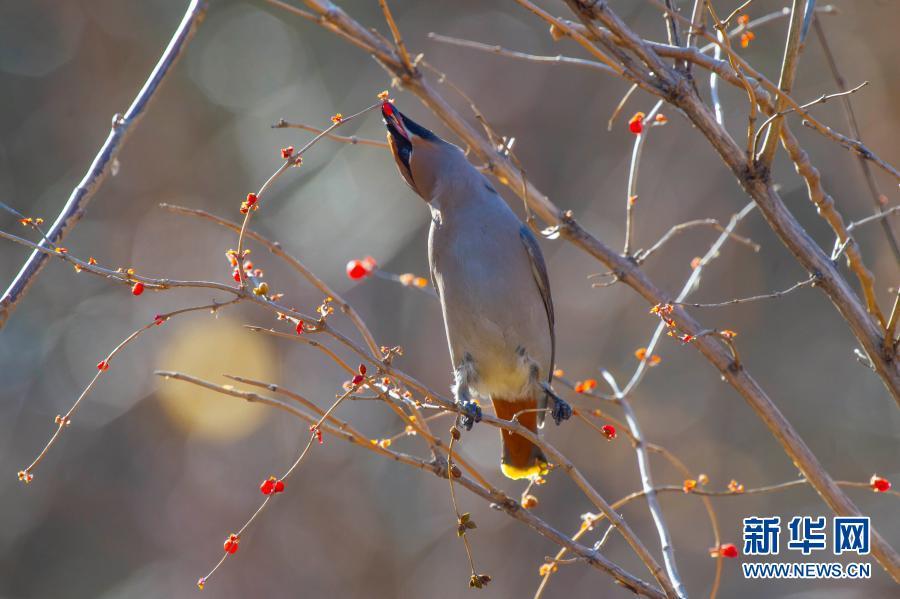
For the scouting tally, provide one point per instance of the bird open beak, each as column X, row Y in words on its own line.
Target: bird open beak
column 394, row 122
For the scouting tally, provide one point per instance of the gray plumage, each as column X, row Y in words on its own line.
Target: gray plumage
column 490, row 276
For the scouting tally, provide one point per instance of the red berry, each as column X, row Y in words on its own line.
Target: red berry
column 356, row 270
column 358, row 379
column 287, row 152
column 159, row 319
column 609, row 431
column 636, row 124
column 879, row 484
column 362, row 369
column 137, row 289
column 318, row 433
column 251, row 199
column 103, row 365
column 231, row 544
column 267, row 486
column 299, row 327
column 236, row 275
column 279, row 486
column 729, row 551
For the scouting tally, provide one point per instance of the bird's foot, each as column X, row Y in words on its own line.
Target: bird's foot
column 560, row 409
column 469, row 414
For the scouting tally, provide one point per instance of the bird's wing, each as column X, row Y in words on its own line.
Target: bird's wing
column 539, row 270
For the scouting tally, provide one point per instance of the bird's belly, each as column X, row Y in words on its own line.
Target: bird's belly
column 503, row 335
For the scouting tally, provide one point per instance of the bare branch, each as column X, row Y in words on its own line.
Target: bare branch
column 659, row 521
column 743, row 300
column 347, row 139
column 850, row 115
column 498, row 498
column 642, row 255
column 293, row 262
column 501, row 51
column 122, row 126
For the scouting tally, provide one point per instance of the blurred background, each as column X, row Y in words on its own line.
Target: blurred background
column 152, row 475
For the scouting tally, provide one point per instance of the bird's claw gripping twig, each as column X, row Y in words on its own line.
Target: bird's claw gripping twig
column 560, row 409
column 469, row 414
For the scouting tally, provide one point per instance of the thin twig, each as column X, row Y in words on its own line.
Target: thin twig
column 743, row 300
column 633, row 169
column 398, row 39
column 689, row 286
column 277, row 249
column 820, row 100
column 659, row 521
column 497, row 498
column 853, row 126
column 122, row 126
column 642, row 255
column 64, row 420
column 501, row 51
column 347, row 139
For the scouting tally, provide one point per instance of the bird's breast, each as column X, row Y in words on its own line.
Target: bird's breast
column 492, row 308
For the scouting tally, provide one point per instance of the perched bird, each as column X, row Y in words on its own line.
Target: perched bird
column 490, row 276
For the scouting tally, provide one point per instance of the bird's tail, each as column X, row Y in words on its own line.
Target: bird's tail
column 520, row 457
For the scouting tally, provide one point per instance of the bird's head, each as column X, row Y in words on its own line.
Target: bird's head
column 421, row 156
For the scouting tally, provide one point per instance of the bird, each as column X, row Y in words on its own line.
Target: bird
column 490, row 276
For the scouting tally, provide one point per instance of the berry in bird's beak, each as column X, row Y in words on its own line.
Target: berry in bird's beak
column 393, row 120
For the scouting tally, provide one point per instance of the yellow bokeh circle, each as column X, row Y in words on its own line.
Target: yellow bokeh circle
column 207, row 349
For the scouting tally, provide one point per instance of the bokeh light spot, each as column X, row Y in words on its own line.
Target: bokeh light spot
column 207, row 349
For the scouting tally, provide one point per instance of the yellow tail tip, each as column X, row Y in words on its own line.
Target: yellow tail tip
column 538, row 468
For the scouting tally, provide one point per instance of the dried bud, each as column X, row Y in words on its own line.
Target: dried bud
column 585, row 386
column 529, row 502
